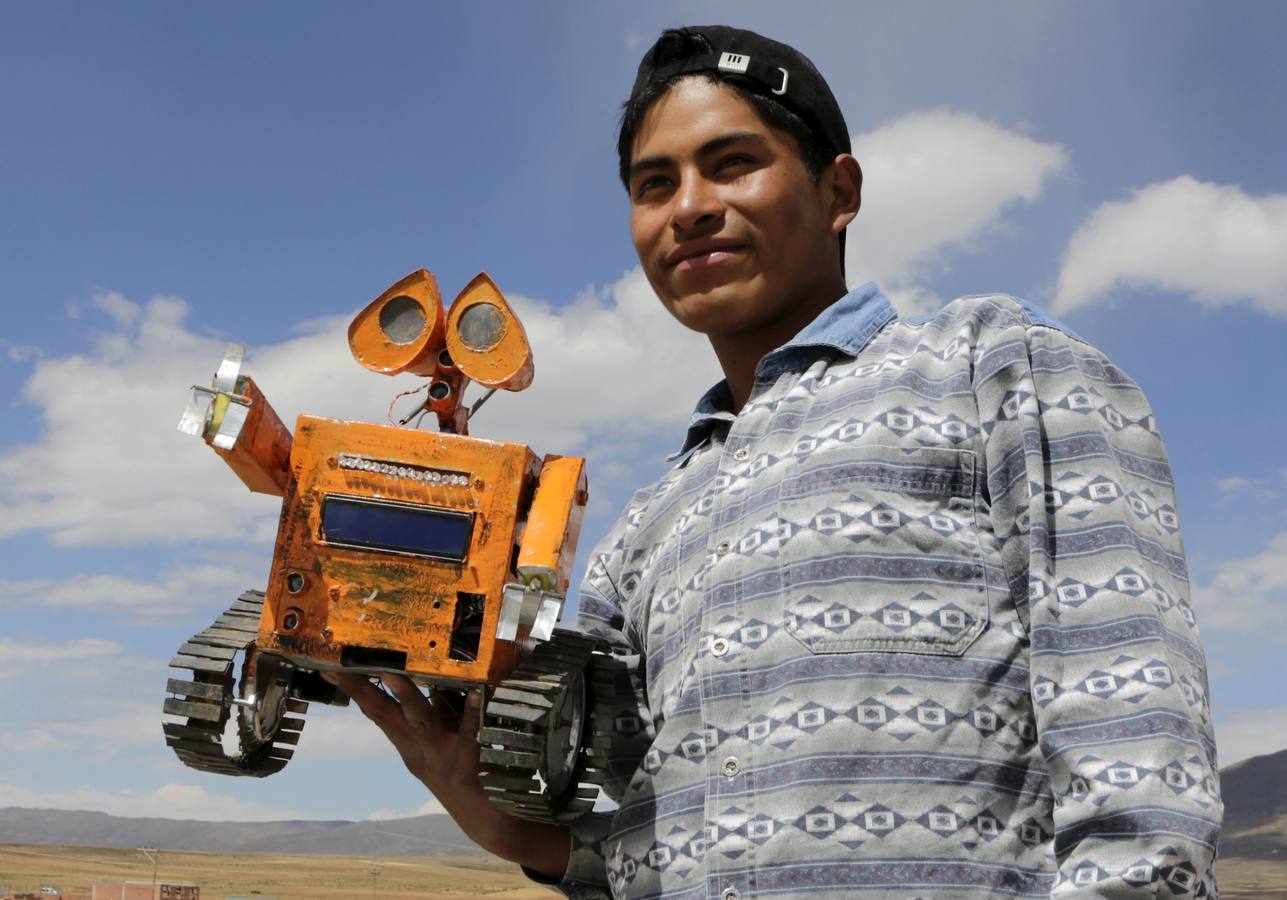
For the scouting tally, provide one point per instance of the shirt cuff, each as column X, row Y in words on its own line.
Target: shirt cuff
column 586, row 877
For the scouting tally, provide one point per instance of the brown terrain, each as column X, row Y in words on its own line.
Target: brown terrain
column 265, row 876
column 268, row 876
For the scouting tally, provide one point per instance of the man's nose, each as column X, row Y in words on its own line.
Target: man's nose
column 697, row 205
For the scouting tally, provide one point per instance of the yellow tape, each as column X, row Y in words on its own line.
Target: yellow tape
column 220, row 407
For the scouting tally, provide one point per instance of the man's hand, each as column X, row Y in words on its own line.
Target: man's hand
column 442, row 752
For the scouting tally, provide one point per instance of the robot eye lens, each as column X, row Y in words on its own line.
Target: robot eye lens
column 481, row 326
column 402, row 319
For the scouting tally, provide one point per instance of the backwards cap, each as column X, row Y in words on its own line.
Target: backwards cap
column 762, row 66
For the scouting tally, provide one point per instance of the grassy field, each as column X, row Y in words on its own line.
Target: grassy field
column 269, row 876
column 275, row 877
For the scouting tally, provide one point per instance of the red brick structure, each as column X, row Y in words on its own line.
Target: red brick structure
column 143, row 890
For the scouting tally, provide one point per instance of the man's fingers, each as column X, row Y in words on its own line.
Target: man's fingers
column 472, row 715
column 419, row 712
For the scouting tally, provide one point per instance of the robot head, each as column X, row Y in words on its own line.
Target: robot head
column 406, row 330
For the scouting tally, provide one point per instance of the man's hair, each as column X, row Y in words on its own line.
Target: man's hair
column 677, row 45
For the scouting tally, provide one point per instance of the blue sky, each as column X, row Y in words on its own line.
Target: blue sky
column 175, row 176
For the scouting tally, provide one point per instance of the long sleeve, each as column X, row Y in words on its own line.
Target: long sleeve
column 1082, row 501
column 620, row 705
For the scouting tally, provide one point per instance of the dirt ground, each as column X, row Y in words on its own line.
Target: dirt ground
column 266, row 876
column 1252, row 878
column 279, row 877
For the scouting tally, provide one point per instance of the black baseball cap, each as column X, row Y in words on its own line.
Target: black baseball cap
column 754, row 63
column 760, row 65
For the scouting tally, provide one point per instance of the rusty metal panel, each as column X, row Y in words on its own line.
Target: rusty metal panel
column 261, row 454
column 324, row 597
column 554, row 522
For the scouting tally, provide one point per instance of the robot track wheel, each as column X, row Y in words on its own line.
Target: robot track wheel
column 203, row 699
column 544, row 751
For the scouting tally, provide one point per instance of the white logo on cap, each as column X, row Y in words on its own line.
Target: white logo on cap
column 733, row 62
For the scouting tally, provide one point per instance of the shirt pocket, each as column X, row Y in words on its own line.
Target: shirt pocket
column 656, row 613
column 880, row 551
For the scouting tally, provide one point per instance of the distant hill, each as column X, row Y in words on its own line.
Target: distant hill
column 1255, row 808
column 1255, row 826
column 435, row 835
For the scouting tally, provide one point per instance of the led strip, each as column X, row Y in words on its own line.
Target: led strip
column 401, row 470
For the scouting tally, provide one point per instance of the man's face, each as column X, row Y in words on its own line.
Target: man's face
column 731, row 230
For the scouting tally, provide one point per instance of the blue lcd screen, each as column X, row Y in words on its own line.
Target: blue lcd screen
column 397, row 527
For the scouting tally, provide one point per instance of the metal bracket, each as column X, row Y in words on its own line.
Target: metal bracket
column 234, row 418
column 528, row 605
column 225, row 380
column 199, row 412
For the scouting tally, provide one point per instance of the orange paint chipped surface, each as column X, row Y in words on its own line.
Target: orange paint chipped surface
column 262, row 452
column 401, row 602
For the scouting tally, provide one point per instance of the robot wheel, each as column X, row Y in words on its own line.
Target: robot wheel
column 544, row 750
column 268, row 716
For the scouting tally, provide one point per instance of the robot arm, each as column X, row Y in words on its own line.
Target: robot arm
column 241, row 426
column 553, row 524
column 546, row 551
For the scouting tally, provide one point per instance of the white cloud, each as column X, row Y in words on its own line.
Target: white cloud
column 339, row 733
column 16, row 653
column 176, row 591
column 115, row 471
column 18, row 353
column 1233, row 483
column 428, row 808
column 113, row 728
column 1212, row 241
column 1247, row 594
column 935, row 182
column 1250, row 731
column 169, row 801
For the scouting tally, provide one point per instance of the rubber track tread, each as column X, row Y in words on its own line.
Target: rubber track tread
column 515, row 722
column 204, row 695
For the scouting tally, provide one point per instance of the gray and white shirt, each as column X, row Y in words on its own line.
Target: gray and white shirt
column 915, row 622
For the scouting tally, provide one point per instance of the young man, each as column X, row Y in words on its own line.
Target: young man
column 909, row 615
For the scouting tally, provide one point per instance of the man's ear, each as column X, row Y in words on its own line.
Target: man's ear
column 844, row 191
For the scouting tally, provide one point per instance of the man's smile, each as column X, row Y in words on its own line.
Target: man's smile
column 699, row 253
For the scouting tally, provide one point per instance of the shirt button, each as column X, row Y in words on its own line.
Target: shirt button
column 731, row 767
column 730, row 893
column 742, row 455
column 719, row 647
column 723, row 548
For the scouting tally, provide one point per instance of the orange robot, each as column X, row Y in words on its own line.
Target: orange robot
column 439, row 556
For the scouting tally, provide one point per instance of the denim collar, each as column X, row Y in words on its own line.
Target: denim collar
column 846, row 325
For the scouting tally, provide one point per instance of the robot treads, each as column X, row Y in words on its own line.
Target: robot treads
column 435, row 555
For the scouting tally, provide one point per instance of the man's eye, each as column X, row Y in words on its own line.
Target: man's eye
column 733, row 161
column 649, row 183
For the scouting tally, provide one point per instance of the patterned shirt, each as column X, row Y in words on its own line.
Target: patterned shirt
column 913, row 623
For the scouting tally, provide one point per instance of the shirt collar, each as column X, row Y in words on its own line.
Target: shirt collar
column 846, row 325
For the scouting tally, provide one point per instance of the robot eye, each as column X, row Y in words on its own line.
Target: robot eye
column 402, row 319
column 481, row 326
column 402, row 330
